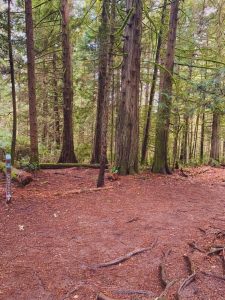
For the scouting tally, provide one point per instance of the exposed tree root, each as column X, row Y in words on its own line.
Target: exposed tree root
column 213, row 275
column 195, row 247
column 79, row 191
column 132, row 292
column 189, row 279
column 165, row 282
column 123, row 258
column 101, row 296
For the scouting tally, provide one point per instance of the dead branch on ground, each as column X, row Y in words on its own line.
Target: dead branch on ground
column 213, row 275
column 194, row 246
column 123, row 258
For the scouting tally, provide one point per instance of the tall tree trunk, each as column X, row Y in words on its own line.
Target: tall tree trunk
column 102, row 80
column 67, row 152
column 56, row 102
column 152, row 92
column 127, row 135
column 202, row 137
column 214, row 153
column 109, row 32
column 12, row 74
column 160, row 164
column 31, row 82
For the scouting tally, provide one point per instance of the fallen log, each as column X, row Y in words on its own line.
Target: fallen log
column 68, row 165
column 84, row 190
column 20, row 176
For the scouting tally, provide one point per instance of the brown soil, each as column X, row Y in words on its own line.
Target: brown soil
column 50, row 238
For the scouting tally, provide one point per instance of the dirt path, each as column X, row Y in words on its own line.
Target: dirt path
column 50, row 238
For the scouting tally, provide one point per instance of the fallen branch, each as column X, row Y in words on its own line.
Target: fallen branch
column 79, row 191
column 123, row 258
column 215, row 250
column 101, row 296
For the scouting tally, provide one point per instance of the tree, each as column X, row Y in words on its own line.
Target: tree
column 160, row 164
column 67, row 153
column 127, row 132
column 12, row 75
column 31, row 82
column 152, row 91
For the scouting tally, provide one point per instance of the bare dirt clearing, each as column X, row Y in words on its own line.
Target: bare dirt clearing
column 51, row 239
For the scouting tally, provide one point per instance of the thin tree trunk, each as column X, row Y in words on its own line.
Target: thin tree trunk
column 67, row 153
column 102, row 80
column 109, row 32
column 152, row 92
column 12, row 74
column 214, row 153
column 202, row 137
column 160, row 164
column 127, row 133
column 195, row 137
column 56, row 102
column 31, row 82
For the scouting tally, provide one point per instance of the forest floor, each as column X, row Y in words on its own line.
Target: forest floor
column 58, row 230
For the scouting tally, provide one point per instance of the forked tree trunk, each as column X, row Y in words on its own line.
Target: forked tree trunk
column 12, row 74
column 127, row 135
column 152, row 91
column 160, row 164
column 214, row 153
column 31, row 82
column 67, row 153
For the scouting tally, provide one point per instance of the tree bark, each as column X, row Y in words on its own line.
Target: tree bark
column 202, row 137
column 152, row 92
column 67, row 153
column 109, row 32
column 31, row 82
column 214, row 153
column 12, row 74
column 102, row 80
column 160, row 164
column 56, row 102
column 127, row 133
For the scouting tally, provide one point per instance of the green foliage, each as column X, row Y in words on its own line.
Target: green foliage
column 83, row 152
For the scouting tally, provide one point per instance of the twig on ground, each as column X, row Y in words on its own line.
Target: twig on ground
column 202, row 230
column 124, row 258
